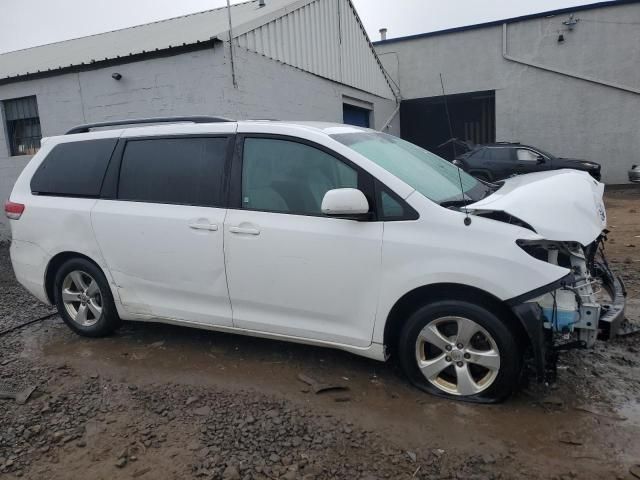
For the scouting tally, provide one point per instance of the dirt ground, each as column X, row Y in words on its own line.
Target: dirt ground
column 157, row 401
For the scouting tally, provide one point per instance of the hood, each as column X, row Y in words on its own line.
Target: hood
column 576, row 163
column 560, row 205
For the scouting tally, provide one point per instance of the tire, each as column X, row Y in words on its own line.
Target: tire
column 84, row 299
column 486, row 369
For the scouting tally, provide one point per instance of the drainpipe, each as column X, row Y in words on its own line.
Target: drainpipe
column 566, row 73
column 233, row 66
column 393, row 115
column 397, row 95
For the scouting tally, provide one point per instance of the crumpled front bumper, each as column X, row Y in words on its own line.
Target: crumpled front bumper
column 612, row 315
column 532, row 320
column 611, row 322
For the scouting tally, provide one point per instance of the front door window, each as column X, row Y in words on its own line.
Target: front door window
column 290, row 177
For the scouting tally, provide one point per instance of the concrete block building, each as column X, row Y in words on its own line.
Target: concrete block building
column 284, row 59
column 566, row 81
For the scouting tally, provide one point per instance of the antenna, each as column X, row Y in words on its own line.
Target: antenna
column 467, row 218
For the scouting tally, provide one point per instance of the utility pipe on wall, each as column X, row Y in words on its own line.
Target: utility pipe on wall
column 586, row 78
column 233, row 66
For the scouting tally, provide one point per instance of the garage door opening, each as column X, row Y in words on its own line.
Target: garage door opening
column 473, row 121
column 358, row 116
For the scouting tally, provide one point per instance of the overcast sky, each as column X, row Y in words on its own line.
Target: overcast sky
column 27, row 23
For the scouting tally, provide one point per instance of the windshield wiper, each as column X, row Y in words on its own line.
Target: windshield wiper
column 456, row 203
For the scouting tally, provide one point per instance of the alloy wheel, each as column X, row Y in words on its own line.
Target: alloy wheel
column 82, row 298
column 457, row 355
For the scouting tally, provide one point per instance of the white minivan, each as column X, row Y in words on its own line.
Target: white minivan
column 318, row 233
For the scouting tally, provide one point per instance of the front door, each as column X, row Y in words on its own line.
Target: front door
column 292, row 271
column 529, row 161
column 162, row 237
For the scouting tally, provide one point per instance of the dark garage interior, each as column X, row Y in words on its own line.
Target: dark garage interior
column 424, row 122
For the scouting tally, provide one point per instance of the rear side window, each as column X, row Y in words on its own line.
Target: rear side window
column 478, row 154
column 74, row 169
column 500, row 154
column 183, row 171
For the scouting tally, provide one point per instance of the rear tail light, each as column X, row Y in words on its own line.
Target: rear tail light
column 13, row 211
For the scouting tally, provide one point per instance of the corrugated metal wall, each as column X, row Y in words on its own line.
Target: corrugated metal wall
column 326, row 38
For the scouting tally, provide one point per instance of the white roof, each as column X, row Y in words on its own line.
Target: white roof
column 330, row 41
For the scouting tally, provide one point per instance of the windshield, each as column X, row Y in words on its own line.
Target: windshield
column 544, row 154
column 432, row 176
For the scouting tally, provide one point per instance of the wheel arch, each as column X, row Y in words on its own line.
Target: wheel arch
column 55, row 263
column 425, row 294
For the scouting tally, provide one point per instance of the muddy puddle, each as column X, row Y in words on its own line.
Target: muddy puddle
column 571, row 420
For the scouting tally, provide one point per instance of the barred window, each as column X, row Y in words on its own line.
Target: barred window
column 23, row 125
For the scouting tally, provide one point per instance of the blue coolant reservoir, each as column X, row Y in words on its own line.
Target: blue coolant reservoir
column 560, row 309
column 562, row 321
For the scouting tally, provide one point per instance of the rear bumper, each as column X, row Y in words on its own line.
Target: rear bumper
column 29, row 264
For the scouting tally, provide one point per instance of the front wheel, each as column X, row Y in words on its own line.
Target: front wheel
column 460, row 350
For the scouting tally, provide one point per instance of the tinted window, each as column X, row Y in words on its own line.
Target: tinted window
column 500, row 154
column 391, row 208
column 478, row 154
column 186, row 171
column 74, row 168
column 290, row 177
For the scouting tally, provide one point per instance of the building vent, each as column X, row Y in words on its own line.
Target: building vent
column 383, row 34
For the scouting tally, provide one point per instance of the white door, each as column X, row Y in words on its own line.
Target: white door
column 291, row 270
column 162, row 237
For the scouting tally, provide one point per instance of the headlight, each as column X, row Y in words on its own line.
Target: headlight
column 557, row 253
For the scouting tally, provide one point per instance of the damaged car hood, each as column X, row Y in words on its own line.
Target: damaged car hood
column 561, row 205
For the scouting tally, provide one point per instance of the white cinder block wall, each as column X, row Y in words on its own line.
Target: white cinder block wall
column 566, row 116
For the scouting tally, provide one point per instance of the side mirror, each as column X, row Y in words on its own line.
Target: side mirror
column 345, row 203
column 540, row 159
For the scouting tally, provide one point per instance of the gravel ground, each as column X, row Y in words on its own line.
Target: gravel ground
column 76, row 425
column 167, row 402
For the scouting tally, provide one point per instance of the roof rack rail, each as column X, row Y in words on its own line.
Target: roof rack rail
column 137, row 121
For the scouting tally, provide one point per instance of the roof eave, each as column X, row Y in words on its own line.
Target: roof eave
column 107, row 62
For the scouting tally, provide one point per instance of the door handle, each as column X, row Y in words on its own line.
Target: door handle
column 244, row 230
column 204, row 226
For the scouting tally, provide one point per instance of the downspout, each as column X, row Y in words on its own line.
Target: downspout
column 397, row 95
column 233, row 66
column 393, row 115
column 566, row 73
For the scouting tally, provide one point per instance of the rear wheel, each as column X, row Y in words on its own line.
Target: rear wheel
column 460, row 350
column 84, row 299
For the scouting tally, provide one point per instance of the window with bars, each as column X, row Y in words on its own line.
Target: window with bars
column 23, row 125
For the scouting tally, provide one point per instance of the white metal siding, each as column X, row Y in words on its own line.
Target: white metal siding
column 173, row 32
column 326, row 38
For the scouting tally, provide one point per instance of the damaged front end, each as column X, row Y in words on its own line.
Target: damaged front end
column 586, row 304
